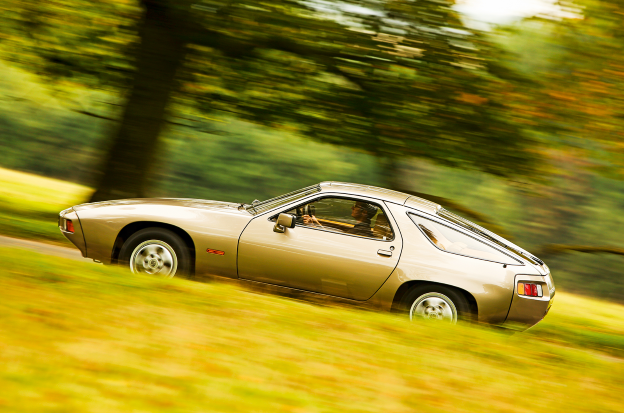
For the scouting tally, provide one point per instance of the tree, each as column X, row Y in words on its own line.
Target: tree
column 392, row 78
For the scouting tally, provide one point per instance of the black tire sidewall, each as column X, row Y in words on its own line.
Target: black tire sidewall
column 460, row 302
column 154, row 233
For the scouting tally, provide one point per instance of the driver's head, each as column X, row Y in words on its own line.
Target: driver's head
column 363, row 211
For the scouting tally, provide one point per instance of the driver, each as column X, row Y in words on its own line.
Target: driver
column 363, row 213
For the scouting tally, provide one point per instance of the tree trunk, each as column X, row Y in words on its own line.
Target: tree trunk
column 134, row 144
column 389, row 170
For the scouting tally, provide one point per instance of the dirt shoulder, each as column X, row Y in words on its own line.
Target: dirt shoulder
column 42, row 248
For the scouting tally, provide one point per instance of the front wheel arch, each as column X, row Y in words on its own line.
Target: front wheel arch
column 127, row 231
column 405, row 288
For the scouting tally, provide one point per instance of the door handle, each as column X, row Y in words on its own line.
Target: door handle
column 385, row 253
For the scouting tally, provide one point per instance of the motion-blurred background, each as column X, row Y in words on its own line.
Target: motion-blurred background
column 507, row 112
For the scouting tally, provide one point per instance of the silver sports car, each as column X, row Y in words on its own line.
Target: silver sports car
column 355, row 243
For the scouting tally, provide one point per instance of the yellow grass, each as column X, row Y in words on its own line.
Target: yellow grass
column 21, row 187
column 29, row 204
column 80, row 337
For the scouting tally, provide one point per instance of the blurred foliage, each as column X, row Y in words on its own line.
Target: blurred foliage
column 237, row 163
column 392, row 78
column 205, row 157
column 71, row 43
column 577, row 66
column 82, row 337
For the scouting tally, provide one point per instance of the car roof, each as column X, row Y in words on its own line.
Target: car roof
column 388, row 195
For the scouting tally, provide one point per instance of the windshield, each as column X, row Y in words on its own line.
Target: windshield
column 258, row 207
column 490, row 236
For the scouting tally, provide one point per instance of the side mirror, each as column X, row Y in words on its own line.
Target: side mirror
column 284, row 221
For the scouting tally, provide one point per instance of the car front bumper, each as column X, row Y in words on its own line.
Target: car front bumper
column 75, row 237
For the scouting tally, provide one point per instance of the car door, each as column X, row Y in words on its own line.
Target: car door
column 333, row 253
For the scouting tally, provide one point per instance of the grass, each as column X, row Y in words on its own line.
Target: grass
column 29, row 205
column 87, row 338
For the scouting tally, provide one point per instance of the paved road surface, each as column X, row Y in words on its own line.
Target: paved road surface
column 43, row 248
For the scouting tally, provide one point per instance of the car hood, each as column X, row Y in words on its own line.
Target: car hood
column 183, row 202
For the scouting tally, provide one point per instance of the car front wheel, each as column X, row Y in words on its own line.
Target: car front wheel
column 438, row 303
column 155, row 251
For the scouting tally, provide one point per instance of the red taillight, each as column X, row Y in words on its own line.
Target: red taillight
column 530, row 289
column 69, row 226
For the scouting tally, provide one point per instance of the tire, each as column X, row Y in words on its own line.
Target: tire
column 436, row 302
column 156, row 251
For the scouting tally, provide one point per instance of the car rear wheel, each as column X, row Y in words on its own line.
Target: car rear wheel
column 436, row 302
column 156, row 251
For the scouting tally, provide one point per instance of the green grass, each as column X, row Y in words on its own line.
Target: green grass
column 87, row 338
column 29, row 205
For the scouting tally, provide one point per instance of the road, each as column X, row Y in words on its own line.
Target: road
column 43, row 248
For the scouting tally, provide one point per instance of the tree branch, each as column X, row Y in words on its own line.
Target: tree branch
column 554, row 249
column 95, row 115
column 18, row 99
column 197, row 128
column 333, row 68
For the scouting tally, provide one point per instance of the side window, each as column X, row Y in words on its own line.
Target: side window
column 448, row 239
column 347, row 216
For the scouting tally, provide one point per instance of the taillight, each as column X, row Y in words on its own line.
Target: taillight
column 69, row 225
column 530, row 289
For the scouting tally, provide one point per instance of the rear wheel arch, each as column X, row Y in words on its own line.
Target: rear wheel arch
column 132, row 228
column 405, row 288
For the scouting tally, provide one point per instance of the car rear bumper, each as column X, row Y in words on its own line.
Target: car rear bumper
column 524, row 311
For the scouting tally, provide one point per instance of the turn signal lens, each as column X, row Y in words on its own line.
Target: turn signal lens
column 69, row 226
column 530, row 289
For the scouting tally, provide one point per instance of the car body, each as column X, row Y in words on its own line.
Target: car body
column 417, row 257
